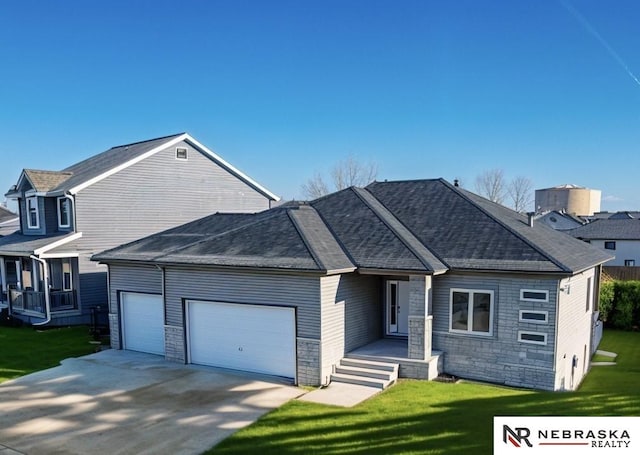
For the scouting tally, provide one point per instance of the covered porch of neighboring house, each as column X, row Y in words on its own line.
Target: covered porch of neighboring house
column 35, row 286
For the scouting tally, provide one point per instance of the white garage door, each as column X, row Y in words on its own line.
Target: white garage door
column 142, row 322
column 253, row 338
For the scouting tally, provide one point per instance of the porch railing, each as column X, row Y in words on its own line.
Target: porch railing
column 34, row 301
column 27, row 301
column 62, row 300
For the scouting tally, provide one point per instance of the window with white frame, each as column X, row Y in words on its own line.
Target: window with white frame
column 532, row 337
column 64, row 212
column 534, row 295
column 534, row 316
column 33, row 217
column 629, row 262
column 471, row 311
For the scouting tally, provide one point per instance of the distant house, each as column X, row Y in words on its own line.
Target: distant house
column 619, row 236
column 127, row 192
column 559, row 220
column 421, row 274
column 9, row 221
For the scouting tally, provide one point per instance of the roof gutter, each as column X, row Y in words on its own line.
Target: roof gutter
column 47, row 301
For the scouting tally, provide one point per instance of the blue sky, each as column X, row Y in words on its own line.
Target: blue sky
column 546, row 89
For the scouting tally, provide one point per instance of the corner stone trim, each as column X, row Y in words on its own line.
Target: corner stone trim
column 308, row 354
column 174, row 346
column 114, row 331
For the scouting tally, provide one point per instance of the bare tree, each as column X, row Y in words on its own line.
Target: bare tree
column 519, row 191
column 346, row 173
column 491, row 185
column 315, row 187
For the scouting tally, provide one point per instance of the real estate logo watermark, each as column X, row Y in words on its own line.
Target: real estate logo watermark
column 565, row 435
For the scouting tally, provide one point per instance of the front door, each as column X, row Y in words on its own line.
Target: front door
column 397, row 308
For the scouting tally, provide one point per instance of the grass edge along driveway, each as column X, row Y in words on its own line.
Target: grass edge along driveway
column 26, row 350
column 420, row 417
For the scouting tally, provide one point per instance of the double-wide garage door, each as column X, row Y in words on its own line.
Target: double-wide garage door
column 142, row 322
column 254, row 338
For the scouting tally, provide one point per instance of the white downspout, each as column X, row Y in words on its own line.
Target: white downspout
column 47, row 303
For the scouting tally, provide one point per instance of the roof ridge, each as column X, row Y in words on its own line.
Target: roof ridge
column 367, row 198
column 305, row 240
column 459, row 192
column 147, row 140
column 435, row 179
column 342, row 246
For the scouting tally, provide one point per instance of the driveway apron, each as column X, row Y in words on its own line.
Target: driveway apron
column 123, row 402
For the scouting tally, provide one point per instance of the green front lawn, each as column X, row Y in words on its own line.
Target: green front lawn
column 25, row 350
column 419, row 417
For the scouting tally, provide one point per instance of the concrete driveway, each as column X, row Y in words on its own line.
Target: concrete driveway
column 122, row 402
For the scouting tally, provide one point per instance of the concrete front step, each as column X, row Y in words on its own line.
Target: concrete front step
column 359, row 380
column 372, row 364
column 366, row 372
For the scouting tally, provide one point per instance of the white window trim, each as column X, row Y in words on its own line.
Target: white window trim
column 533, row 321
column 60, row 225
column 186, row 154
column 528, row 299
column 29, row 225
column 527, row 332
column 469, row 330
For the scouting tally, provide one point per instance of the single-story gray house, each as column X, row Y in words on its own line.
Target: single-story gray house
column 421, row 273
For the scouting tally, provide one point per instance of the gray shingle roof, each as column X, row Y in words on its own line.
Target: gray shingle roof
column 17, row 244
column 7, row 215
column 269, row 239
column 609, row 229
column 423, row 226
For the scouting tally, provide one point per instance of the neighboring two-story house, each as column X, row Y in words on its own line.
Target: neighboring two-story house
column 122, row 194
column 618, row 235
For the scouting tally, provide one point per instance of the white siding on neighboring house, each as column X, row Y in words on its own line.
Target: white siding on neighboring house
column 574, row 330
column 625, row 250
column 157, row 193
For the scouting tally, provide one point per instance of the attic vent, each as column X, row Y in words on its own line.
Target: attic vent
column 181, row 153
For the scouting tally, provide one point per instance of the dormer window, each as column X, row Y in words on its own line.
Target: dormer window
column 181, row 153
column 64, row 212
column 33, row 217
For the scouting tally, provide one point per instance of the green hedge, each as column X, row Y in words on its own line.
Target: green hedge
column 620, row 304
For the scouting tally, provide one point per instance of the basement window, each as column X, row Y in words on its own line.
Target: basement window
column 532, row 337
column 181, row 153
column 531, row 295
column 534, row 316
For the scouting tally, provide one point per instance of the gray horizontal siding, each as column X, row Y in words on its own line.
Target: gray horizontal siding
column 333, row 326
column 499, row 357
column 302, row 292
column 92, row 288
column 363, row 310
column 157, row 193
column 143, row 279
